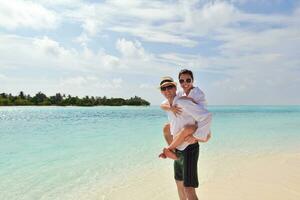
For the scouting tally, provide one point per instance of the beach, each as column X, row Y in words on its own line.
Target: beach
column 111, row 153
column 257, row 177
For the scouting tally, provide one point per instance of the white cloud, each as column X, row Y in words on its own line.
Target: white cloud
column 249, row 53
column 130, row 49
column 178, row 23
column 3, row 77
column 21, row 52
column 49, row 47
column 89, row 84
column 16, row 14
column 45, row 53
column 136, row 60
column 211, row 17
column 61, row 3
column 117, row 83
column 135, row 18
column 146, row 86
column 82, row 39
column 153, row 34
column 71, row 82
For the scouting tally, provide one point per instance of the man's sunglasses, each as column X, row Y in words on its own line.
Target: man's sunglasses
column 169, row 87
column 188, row 80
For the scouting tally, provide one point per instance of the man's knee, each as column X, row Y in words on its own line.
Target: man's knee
column 189, row 189
column 190, row 193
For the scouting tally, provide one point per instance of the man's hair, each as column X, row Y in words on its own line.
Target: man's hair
column 186, row 71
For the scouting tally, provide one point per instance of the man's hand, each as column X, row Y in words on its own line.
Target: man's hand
column 176, row 110
column 190, row 139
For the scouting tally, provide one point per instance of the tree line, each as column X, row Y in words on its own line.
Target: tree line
column 58, row 99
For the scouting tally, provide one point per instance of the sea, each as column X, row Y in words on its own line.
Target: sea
column 63, row 153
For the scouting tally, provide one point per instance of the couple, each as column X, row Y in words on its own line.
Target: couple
column 189, row 123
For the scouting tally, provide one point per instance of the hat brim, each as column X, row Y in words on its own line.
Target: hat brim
column 167, row 83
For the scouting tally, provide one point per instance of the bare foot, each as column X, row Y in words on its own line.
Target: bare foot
column 170, row 154
column 206, row 139
column 162, row 155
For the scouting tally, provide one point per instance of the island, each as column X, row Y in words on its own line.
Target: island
column 40, row 99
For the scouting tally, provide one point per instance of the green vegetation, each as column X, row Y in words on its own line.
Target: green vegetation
column 41, row 99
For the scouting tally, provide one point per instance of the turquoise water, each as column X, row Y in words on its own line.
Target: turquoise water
column 65, row 152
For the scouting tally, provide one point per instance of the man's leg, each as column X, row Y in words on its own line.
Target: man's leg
column 190, row 193
column 181, row 191
column 178, row 175
column 167, row 134
column 190, row 174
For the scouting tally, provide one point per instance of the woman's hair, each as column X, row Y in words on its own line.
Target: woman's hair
column 186, row 71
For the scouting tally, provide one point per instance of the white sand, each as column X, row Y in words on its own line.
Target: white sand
column 254, row 177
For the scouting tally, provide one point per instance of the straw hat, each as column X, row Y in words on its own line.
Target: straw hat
column 167, row 80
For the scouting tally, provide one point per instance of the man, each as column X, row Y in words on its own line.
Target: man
column 185, row 167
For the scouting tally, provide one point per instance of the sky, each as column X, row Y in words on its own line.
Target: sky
column 242, row 52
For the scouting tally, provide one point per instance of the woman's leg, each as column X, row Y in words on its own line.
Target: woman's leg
column 179, row 139
column 169, row 138
column 188, row 130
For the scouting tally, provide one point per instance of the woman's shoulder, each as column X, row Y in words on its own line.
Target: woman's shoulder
column 196, row 91
column 198, row 95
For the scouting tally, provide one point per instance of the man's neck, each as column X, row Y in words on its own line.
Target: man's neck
column 170, row 100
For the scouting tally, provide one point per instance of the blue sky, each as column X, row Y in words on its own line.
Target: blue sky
column 241, row 51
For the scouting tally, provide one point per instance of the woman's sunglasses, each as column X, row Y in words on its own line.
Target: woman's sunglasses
column 169, row 87
column 188, row 80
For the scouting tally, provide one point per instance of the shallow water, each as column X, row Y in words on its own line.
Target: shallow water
column 60, row 152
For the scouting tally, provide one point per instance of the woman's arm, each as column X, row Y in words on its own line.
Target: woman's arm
column 188, row 98
column 175, row 109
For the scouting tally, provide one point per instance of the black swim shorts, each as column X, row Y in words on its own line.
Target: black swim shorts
column 185, row 168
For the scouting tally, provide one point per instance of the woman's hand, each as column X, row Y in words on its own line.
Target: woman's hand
column 176, row 110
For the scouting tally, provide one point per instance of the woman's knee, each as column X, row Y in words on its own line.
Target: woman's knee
column 190, row 128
